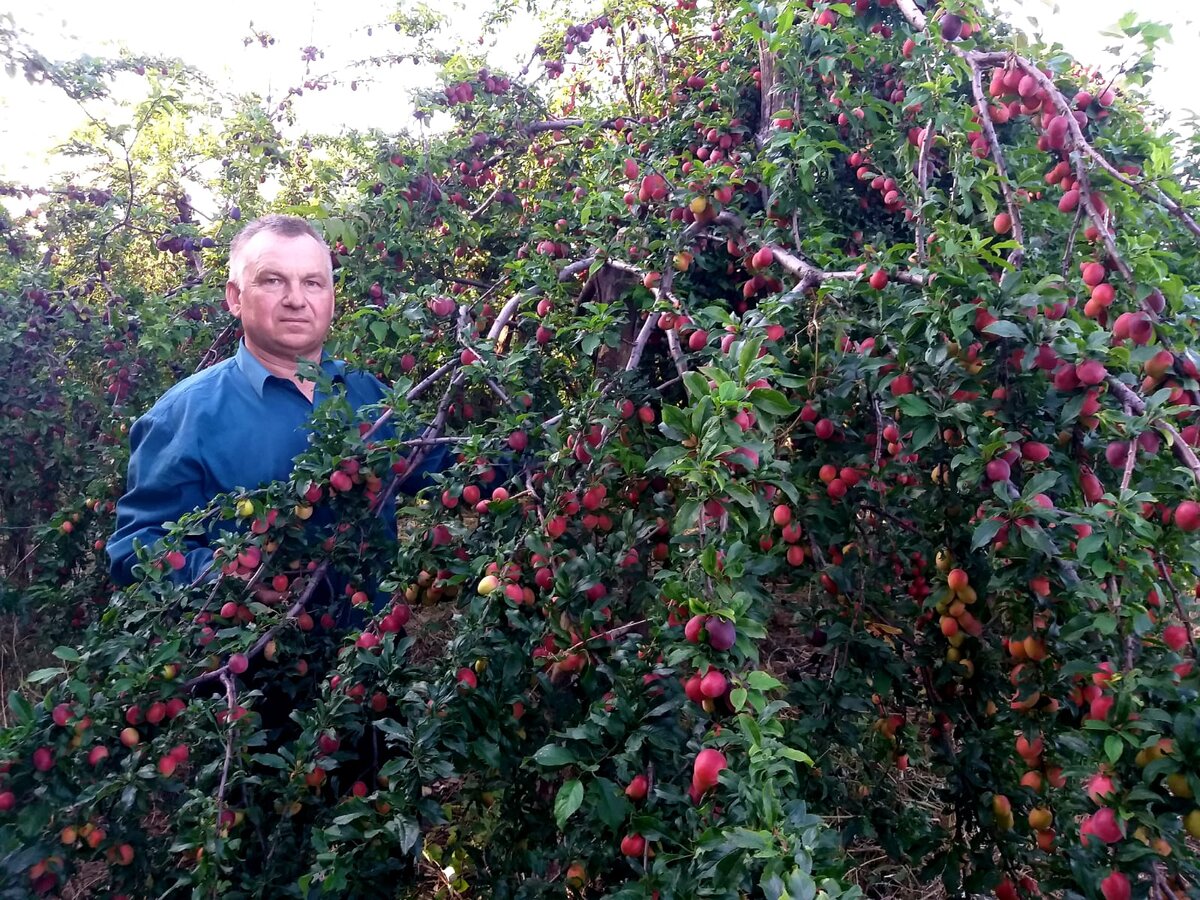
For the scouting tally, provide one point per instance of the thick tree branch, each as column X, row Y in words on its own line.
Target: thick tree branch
column 470, row 282
column 1086, row 196
column 1150, row 191
column 564, row 124
column 505, row 316
column 911, row 12
column 223, row 672
column 570, row 270
column 610, row 635
column 810, row 276
column 676, row 352
column 416, row 391
column 1130, row 459
column 484, row 204
column 643, row 338
column 214, row 350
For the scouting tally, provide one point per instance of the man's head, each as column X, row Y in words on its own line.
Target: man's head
column 281, row 287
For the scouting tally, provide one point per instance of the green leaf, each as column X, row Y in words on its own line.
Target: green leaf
column 554, row 755
column 696, row 384
column 1037, row 539
column 271, row 760
column 763, row 681
column 38, row 676
column 798, row 755
column 737, row 698
column 923, row 434
column 912, row 405
column 1040, row 483
column 1113, row 745
column 771, row 401
column 665, row 456
column 747, row 354
column 741, row 495
column 1089, row 545
column 1004, row 328
column 569, row 799
column 674, row 417
column 20, row 706
column 985, row 531
column 67, row 654
column 607, row 802
column 745, row 839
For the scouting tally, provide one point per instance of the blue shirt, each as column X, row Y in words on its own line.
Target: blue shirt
column 233, row 425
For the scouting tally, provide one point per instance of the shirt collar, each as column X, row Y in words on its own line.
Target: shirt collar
column 256, row 373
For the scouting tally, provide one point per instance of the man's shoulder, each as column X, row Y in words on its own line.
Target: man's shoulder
column 200, row 387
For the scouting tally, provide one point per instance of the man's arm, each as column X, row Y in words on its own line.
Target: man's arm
column 166, row 481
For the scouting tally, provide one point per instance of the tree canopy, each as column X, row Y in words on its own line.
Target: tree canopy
column 842, row 357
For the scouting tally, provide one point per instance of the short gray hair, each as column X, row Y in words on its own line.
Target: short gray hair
column 277, row 223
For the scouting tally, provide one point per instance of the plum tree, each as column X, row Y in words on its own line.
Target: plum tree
column 841, row 359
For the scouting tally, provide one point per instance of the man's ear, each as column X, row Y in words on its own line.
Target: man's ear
column 233, row 299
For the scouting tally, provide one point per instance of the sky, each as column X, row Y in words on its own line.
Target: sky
column 212, row 37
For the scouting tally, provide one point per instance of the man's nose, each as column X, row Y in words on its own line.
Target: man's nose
column 292, row 295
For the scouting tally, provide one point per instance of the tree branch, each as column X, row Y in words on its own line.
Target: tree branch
column 1086, row 197
column 923, row 187
column 1180, row 608
column 298, row 607
column 975, row 58
column 231, row 705
column 570, row 270
column 643, row 338
column 908, row 9
column 1182, row 450
column 676, row 352
column 1070, row 248
column 482, row 207
column 989, row 131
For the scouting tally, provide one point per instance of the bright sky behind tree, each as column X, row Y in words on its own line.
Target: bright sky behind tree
column 33, row 119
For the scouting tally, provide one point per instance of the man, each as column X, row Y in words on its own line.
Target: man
column 241, row 422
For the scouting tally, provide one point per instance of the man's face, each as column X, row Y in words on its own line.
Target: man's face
column 285, row 300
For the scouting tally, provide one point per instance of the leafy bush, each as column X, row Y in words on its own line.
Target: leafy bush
column 843, row 354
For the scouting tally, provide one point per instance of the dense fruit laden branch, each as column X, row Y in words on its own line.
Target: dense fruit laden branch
column 989, row 130
column 918, row 20
column 1078, row 148
column 1136, row 405
column 1087, row 197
